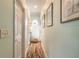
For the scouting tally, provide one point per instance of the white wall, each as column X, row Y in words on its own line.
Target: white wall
column 6, row 21
column 62, row 40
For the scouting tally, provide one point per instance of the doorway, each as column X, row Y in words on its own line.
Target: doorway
column 19, row 42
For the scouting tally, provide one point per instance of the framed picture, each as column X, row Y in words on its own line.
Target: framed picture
column 49, row 15
column 69, row 10
column 43, row 20
column 76, row 5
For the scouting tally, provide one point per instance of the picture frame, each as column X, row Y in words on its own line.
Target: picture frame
column 43, row 21
column 76, row 5
column 69, row 10
column 49, row 16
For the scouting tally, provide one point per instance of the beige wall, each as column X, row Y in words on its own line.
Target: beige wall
column 61, row 40
column 6, row 21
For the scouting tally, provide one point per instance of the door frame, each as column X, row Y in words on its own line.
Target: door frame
column 23, row 29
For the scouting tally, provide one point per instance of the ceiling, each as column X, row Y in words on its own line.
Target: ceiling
column 34, row 12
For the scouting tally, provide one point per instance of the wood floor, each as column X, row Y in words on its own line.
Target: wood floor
column 35, row 50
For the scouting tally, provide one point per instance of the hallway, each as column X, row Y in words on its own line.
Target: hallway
column 39, row 28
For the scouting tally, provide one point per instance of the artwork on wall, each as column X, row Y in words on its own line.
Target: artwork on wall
column 49, row 16
column 69, row 10
column 43, row 20
column 76, row 5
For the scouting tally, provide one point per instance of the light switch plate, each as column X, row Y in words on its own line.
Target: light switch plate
column 0, row 33
column 3, row 33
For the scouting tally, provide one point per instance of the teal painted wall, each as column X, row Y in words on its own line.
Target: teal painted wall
column 6, row 21
column 62, row 40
